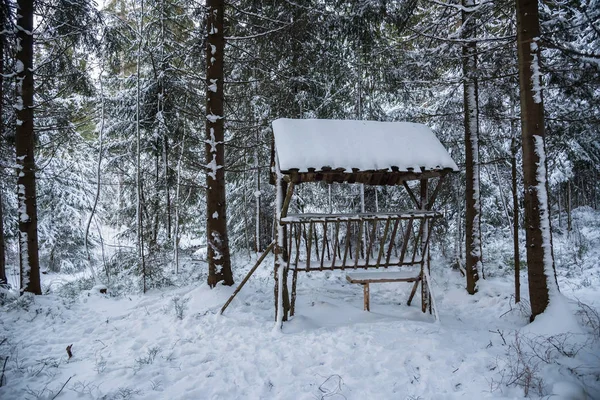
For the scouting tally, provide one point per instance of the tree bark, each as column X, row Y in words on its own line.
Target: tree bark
column 540, row 262
column 219, row 263
column 517, row 257
column 3, row 17
column 24, row 143
column 473, row 264
column 569, row 219
column 138, row 164
column 3, row 279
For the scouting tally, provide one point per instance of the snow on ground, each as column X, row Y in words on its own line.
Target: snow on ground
column 173, row 344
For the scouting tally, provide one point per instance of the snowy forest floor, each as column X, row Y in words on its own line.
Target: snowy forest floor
column 173, row 344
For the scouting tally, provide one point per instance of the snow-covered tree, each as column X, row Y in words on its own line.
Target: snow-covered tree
column 540, row 260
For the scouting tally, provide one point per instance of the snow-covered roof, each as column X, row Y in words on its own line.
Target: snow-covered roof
column 358, row 146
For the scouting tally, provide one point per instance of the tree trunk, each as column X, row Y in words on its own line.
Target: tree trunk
column 540, row 262
column 513, row 161
column 3, row 279
column 24, row 143
column 257, row 194
column 219, row 264
column 473, row 263
column 98, row 177
column 569, row 219
column 3, row 17
column 138, row 165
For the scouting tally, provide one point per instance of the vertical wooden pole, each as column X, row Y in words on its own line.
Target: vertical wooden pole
column 425, row 301
column 347, row 245
column 406, row 239
column 371, row 241
column 335, row 242
column 392, row 242
column 309, row 245
column 294, row 280
column 358, row 246
column 324, row 245
column 382, row 242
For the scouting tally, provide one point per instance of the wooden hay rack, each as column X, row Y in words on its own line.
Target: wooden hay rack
column 384, row 154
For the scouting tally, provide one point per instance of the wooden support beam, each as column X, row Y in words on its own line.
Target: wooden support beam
column 411, row 194
column 413, row 291
column 248, row 275
column 288, row 198
column 294, row 281
column 435, row 193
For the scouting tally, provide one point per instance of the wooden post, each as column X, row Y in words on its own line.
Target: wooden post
column 294, row 280
column 366, row 296
column 425, row 301
column 280, row 251
column 309, row 244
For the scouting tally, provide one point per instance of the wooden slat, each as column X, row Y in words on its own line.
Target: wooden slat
column 308, row 246
column 392, row 264
column 335, row 242
column 406, row 239
column 417, row 241
column 358, row 246
column 382, row 243
column 347, row 245
column 385, row 277
column 371, row 241
column 317, row 217
column 392, row 242
column 289, row 255
column 324, row 243
column 316, row 242
column 298, row 243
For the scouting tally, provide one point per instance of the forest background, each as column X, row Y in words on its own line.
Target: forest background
column 119, row 104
